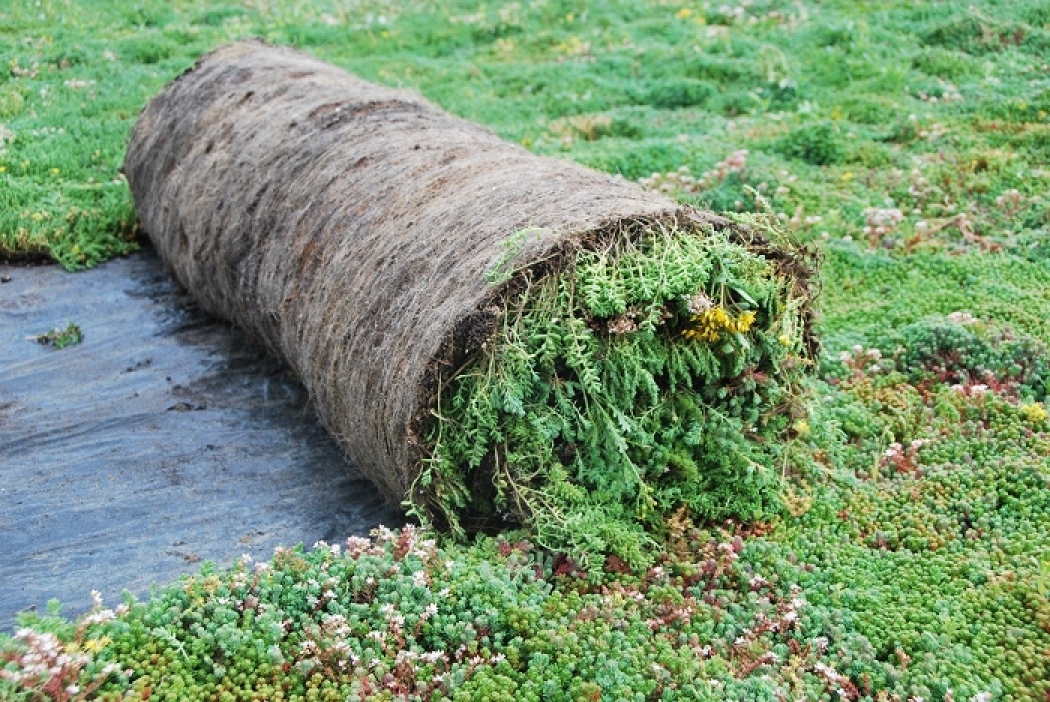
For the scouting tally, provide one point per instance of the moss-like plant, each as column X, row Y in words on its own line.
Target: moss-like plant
column 60, row 337
column 653, row 374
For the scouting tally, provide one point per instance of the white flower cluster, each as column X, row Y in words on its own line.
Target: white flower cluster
column 949, row 93
column 962, row 318
column 862, row 360
column 880, row 221
column 682, row 180
column 45, row 660
column 1010, row 202
column 746, row 13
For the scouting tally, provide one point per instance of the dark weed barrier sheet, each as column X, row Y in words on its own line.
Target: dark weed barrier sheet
column 161, row 440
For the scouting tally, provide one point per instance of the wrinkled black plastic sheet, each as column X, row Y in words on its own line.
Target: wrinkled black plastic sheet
column 163, row 439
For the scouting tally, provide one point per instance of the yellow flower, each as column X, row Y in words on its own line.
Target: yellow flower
column 709, row 324
column 1034, row 412
column 684, row 13
column 55, row 171
column 784, row 340
column 96, row 645
column 742, row 324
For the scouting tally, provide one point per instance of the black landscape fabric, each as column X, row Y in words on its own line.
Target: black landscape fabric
column 160, row 441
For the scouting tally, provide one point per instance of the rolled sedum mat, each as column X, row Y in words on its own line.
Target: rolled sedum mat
column 495, row 338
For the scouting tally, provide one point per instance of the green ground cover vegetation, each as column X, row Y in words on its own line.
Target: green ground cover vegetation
column 909, row 557
column 652, row 376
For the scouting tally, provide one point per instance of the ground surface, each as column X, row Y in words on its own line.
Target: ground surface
column 909, row 140
column 161, row 440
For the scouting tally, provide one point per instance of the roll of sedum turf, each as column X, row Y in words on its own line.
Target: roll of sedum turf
column 493, row 337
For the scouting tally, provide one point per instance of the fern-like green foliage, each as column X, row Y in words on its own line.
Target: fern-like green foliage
column 651, row 375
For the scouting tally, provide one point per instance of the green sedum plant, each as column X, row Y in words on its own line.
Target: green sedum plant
column 60, row 337
column 653, row 375
column 914, row 525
